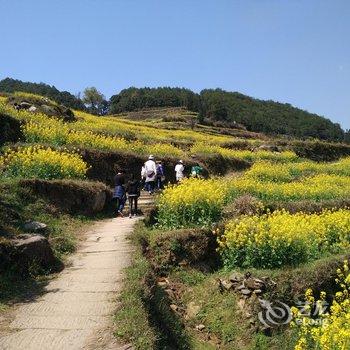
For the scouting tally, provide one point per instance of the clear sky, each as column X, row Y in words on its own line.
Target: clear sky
column 295, row 51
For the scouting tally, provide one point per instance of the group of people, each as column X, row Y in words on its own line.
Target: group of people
column 152, row 179
column 152, row 175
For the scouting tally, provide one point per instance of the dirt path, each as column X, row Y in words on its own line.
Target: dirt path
column 76, row 310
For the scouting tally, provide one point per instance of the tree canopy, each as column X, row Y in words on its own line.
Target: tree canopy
column 62, row 97
column 212, row 105
column 95, row 100
column 132, row 99
column 219, row 105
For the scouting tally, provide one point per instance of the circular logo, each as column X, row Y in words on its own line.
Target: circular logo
column 275, row 314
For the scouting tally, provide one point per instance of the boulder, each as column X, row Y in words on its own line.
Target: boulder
column 35, row 226
column 34, row 251
column 24, row 105
column 42, row 105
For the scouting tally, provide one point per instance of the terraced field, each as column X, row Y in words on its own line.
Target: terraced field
column 264, row 210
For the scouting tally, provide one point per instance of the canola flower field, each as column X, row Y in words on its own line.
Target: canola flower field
column 262, row 240
column 280, row 238
column 200, row 202
column 333, row 332
column 122, row 135
column 44, row 163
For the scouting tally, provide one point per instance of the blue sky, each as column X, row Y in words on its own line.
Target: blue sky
column 295, row 51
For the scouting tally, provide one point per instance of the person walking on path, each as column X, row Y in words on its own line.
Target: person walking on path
column 143, row 177
column 119, row 194
column 179, row 171
column 160, row 175
column 196, row 171
column 151, row 174
column 133, row 191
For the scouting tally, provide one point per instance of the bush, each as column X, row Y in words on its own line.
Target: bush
column 243, row 205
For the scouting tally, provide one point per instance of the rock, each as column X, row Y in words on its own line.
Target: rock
column 49, row 110
column 265, row 304
column 34, row 249
column 35, row 226
column 236, row 277
column 257, row 291
column 200, row 327
column 170, row 293
column 174, row 307
column 192, row 310
column 98, row 201
column 224, row 285
column 240, row 287
column 246, row 291
column 163, row 282
column 42, row 105
column 24, row 105
column 254, row 283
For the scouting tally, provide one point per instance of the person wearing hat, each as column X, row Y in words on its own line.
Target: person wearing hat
column 119, row 195
column 151, row 174
column 179, row 170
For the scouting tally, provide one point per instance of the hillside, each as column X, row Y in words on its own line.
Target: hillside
column 214, row 107
column 63, row 97
column 230, row 108
column 267, row 221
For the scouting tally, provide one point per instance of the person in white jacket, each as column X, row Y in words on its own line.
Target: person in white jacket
column 151, row 174
column 179, row 170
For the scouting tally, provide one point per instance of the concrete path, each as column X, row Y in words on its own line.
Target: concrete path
column 76, row 310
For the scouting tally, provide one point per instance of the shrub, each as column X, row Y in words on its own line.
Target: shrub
column 281, row 238
column 243, row 205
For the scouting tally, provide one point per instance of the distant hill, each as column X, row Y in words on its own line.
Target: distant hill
column 62, row 97
column 216, row 105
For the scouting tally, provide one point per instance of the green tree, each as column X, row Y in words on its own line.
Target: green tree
column 93, row 99
column 62, row 97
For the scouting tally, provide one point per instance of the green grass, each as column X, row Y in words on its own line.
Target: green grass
column 132, row 319
column 146, row 311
